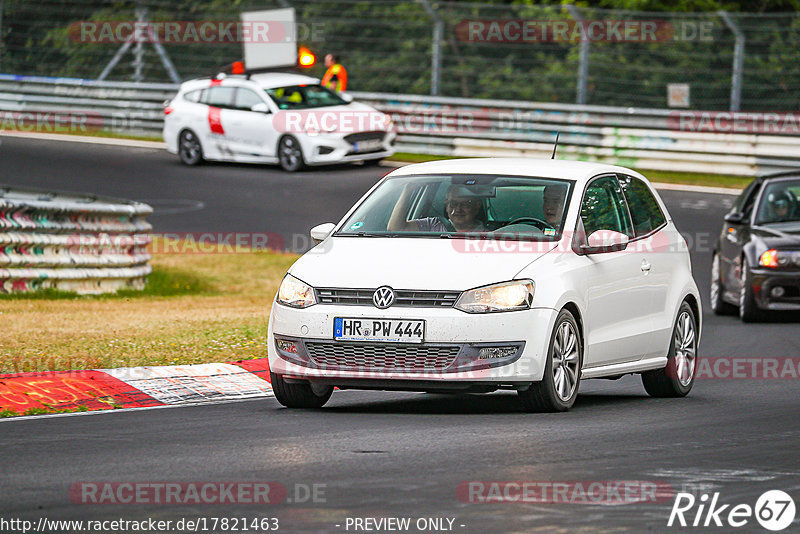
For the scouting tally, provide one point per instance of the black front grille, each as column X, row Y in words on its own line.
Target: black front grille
column 382, row 356
column 403, row 298
column 364, row 136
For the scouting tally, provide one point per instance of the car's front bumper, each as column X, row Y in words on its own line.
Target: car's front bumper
column 763, row 282
column 325, row 149
column 465, row 333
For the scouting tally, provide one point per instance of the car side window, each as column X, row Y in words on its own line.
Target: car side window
column 743, row 196
column 220, row 97
column 604, row 208
column 750, row 200
column 193, row 96
column 245, row 99
column 645, row 211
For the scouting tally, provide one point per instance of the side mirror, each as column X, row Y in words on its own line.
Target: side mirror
column 261, row 107
column 321, row 231
column 601, row 241
column 347, row 98
column 736, row 217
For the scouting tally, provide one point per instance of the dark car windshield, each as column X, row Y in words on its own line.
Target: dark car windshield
column 304, row 97
column 488, row 206
column 779, row 203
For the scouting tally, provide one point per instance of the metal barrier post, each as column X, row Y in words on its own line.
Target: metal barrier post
column 138, row 49
column 1, row 35
column 738, row 61
column 583, row 58
column 436, row 46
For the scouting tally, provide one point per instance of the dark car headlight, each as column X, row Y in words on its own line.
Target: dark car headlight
column 775, row 259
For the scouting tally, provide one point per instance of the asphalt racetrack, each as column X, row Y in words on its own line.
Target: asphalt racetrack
column 401, row 455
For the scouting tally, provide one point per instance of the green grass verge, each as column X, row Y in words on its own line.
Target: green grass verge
column 195, row 308
column 42, row 411
column 162, row 282
column 112, row 135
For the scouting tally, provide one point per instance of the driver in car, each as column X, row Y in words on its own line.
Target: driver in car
column 780, row 205
column 464, row 213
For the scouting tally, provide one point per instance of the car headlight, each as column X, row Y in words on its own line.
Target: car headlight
column 507, row 296
column 778, row 258
column 296, row 293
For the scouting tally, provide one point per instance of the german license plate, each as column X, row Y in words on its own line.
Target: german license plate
column 394, row 330
column 367, row 146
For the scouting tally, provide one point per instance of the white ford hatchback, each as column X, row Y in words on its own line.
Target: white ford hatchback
column 274, row 117
column 484, row 274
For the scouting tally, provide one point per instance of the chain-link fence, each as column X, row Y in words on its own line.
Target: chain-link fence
column 715, row 61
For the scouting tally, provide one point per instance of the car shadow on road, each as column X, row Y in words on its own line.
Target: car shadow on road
column 494, row 403
column 770, row 317
column 271, row 167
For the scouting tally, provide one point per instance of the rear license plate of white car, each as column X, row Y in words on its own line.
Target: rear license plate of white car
column 390, row 330
column 367, row 146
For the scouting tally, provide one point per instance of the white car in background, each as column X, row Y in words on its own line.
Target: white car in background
column 569, row 270
column 282, row 118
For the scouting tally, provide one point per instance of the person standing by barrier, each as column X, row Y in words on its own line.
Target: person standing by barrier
column 335, row 77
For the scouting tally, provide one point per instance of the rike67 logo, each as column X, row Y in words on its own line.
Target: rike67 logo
column 774, row 510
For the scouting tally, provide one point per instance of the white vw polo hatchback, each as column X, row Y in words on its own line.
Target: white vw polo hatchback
column 483, row 274
column 283, row 118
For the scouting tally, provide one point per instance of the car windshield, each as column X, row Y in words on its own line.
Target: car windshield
column 304, row 97
column 489, row 206
column 779, row 204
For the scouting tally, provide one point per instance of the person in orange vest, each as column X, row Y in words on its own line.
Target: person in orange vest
column 336, row 76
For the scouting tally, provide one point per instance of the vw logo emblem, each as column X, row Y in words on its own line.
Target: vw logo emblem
column 383, row 297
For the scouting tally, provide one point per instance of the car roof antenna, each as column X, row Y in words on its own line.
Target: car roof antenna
column 555, row 146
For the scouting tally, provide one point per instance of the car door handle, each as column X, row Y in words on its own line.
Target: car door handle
column 646, row 266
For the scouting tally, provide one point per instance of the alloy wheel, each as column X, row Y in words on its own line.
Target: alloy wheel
column 685, row 349
column 565, row 361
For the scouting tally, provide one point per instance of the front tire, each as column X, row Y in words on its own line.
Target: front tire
column 301, row 395
column 677, row 378
column 290, row 155
column 748, row 309
column 718, row 304
column 562, row 374
column 189, row 148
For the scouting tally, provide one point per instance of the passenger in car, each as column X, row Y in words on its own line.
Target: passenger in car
column 553, row 199
column 464, row 212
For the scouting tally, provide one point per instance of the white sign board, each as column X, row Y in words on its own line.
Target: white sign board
column 678, row 95
column 270, row 39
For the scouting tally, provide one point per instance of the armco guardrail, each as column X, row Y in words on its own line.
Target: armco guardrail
column 634, row 137
column 80, row 106
column 640, row 138
column 75, row 243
